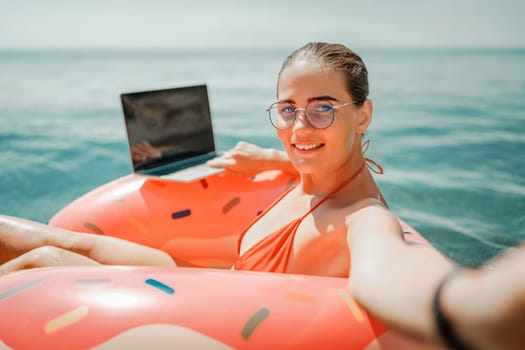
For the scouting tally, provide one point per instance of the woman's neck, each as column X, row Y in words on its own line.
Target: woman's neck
column 322, row 183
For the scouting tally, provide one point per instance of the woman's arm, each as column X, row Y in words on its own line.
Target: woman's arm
column 393, row 280
column 249, row 159
column 25, row 243
column 397, row 283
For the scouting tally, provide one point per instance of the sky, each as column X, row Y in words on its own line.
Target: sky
column 260, row 23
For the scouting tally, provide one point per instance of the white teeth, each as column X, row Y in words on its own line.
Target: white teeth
column 307, row 147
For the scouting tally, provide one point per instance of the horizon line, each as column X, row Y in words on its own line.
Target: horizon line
column 262, row 48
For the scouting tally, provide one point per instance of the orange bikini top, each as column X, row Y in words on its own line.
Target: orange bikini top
column 271, row 253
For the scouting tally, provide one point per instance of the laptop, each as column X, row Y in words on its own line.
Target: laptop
column 170, row 132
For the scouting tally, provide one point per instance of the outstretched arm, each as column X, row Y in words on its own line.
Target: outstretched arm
column 393, row 280
column 249, row 159
column 397, row 283
column 25, row 244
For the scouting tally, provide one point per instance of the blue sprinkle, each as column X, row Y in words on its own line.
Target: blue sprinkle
column 20, row 288
column 181, row 214
column 407, row 232
column 159, row 285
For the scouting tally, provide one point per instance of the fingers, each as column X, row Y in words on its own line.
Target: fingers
column 233, row 165
column 18, row 236
column 246, row 148
column 243, row 159
column 45, row 256
column 242, row 145
column 222, row 162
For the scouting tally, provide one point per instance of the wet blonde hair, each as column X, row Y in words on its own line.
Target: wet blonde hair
column 335, row 57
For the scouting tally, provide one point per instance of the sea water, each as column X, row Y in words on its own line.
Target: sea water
column 448, row 128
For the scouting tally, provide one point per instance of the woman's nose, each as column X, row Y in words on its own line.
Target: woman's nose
column 300, row 121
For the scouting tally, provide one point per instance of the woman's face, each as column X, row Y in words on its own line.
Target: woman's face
column 318, row 150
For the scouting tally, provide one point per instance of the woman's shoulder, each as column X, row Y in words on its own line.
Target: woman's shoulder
column 370, row 212
column 368, row 203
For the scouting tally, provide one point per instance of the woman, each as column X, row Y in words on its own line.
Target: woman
column 321, row 114
column 320, row 117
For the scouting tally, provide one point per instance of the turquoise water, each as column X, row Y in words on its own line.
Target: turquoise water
column 448, row 128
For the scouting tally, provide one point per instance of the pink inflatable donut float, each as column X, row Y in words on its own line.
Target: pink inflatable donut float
column 197, row 223
column 188, row 308
column 113, row 307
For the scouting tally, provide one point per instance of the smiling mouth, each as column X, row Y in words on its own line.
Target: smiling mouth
column 308, row 147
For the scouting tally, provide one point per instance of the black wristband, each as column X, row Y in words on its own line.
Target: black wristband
column 443, row 325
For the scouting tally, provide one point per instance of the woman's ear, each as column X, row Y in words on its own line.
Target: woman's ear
column 364, row 116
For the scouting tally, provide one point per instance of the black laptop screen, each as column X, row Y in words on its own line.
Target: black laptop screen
column 167, row 126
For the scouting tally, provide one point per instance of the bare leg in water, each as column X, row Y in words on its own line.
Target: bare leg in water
column 26, row 244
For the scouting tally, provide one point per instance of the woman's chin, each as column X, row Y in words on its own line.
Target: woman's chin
column 305, row 166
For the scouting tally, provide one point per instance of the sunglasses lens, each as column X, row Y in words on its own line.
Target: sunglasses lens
column 320, row 114
column 282, row 115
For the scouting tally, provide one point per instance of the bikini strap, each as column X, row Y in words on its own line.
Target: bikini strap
column 372, row 165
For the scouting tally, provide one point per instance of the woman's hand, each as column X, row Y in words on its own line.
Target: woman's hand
column 45, row 256
column 249, row 159
column 486, row 306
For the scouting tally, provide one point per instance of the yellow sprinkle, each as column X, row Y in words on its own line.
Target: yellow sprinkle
column 66, row 319
column 356, row 310
column 138, row 224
